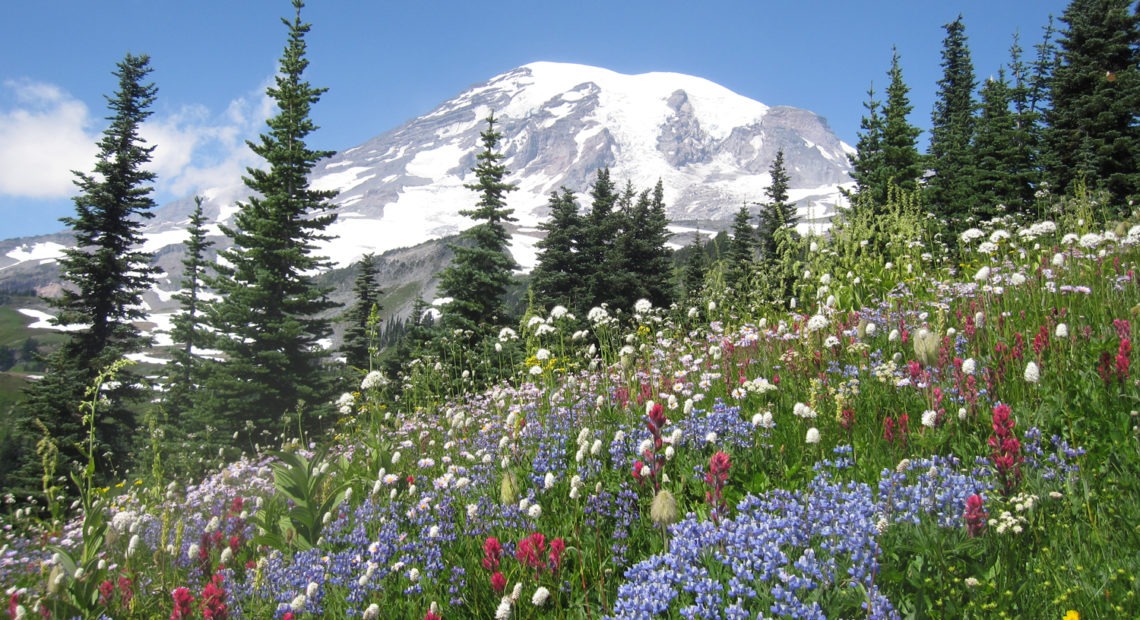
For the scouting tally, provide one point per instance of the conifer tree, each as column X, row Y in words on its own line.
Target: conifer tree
column 602, row 226
column 560, row 277
column 695, row 270
column 477, row 279
column 902, row 165
column 641, row 263
column 271, row 316
column 1022, row 165
column 1001, row 174
column 867, row 162
column 362, row 334
column 105, row 275
column 741, row 249
column 777, row 212
column 1093, row 132
column 950, row 190
column 188, row 331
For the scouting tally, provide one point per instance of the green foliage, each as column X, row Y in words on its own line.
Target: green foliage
column 362, row 334
column 477, row 279
column 561, row 273
column 309, row 493
column 271, row 315
column 106, row 276
column 902, row 165
column 188, row 333
column 951, row 190
column 741, row 256
column 1095, row 92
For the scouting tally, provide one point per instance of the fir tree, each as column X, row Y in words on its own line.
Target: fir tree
column 695, row 270
column 602, row 226
column 1093, row 131
column 361, row 337
column 477, row 279
column 741, row 249
column 901, row 163
column 1000, row 166
column 560, row 277
column 641, row 263
column 777, row 212
column 950, row 189
column 1025, row 152
column 272, row 316
column 105, row 275
column 188, row 331
column 867, row 162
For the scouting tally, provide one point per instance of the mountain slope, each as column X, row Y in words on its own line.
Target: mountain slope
column 560, row 122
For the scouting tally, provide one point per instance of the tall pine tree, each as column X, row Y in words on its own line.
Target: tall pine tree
column 1093, row 134
column 602, row 227
column 478, row 277
column 105, row 275
column 188, row 331
column 777, row 212
column 1001, row 168
column 867, row 161
column 560, row 277
column 641, row 263
column 741, row 255
column 271, row 316
column 362, row 334
column 950, row 190
column 901, row 163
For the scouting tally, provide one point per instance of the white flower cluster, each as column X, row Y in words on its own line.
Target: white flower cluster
column 804, row 411
column 817, row 323
column 374, row 379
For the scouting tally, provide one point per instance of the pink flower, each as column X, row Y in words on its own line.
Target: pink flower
column 183, row 604
column 492, row 551
column 531, row 550
column 498, row 582
column 557, row 548
column 975, row 515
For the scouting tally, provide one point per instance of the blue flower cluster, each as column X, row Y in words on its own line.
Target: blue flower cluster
column 772, row 557
column 732, row 431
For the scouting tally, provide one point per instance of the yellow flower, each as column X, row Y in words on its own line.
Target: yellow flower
column 1071, row 615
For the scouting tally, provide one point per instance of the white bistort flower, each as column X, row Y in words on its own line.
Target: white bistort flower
column 816, row 323
column 541, row 595
column 929, row 417
column 983, row 275
column 812, row 436
column 1032, row 372
column 1062, row 331
column 969, row 366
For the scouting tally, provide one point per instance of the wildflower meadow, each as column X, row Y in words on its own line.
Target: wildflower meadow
column 913, row 437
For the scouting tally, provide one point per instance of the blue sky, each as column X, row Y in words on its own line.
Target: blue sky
column 385, row 62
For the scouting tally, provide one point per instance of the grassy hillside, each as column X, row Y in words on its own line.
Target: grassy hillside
column 916, row 438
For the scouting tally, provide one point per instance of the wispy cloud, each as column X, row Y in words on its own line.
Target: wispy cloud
column 45, row 133
column 43, row 137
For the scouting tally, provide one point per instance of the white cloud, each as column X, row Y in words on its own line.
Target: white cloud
column 47, row 133
column 42, row 140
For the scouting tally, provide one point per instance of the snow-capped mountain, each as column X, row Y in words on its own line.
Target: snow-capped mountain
column 560, row 123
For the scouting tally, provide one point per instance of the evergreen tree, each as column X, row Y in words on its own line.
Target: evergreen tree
column 867, row 162
column 696, row 268
column 478, row 276
column 901, row 163
column 105, row 275
column 1001, row 173
column 641, row 263
column 560, row 277
column 188, row 331
column 950, row 189
column 657, row 260
column 741, row 249
column 1093, row 131
column 1022, row 164
column 602, row 226
column 777, row 213
column 362, row 334
column 271, row 316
